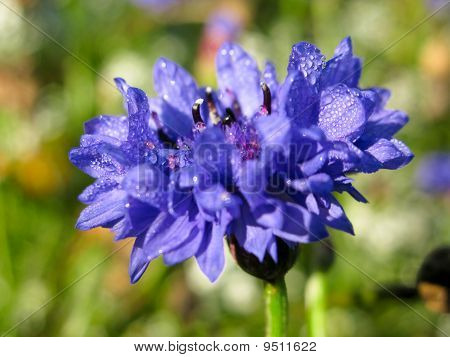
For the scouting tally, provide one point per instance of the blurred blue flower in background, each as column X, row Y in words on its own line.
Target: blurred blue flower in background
column 223, row 25
column 255, row 160
column 157, row 5
column 433, row 174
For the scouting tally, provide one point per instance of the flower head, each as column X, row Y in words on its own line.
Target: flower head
column 255, row 161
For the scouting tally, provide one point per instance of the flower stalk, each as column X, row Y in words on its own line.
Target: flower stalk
column 276, row 302
column 315, row 304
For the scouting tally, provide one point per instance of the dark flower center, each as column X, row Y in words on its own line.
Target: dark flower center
column 242, row 135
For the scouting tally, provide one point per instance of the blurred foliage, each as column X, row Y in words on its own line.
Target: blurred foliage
column 55, row 281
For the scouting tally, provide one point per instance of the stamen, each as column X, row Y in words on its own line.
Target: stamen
column 196, row 111
column 236, row 107
column 266, row 108
column 215, row 118
column 229, row 117
column 165, row 139
column 155, row 118
column 162, row 136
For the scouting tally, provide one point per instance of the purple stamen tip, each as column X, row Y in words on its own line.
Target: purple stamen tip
column 266, row 108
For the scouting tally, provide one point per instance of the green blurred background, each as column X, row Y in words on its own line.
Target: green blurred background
column 56, row 281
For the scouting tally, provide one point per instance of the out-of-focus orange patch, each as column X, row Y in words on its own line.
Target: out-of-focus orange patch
column 101, row 237
column 181, row 300
column 4, row 166
column 27, row 3
column 379, row 189
column 435, row 297
column 435, row 58
column 437, row 101
column 95, row 235
column 94, row 238
column 18, row 91
column 435, row 66
column 41, row 173
column 117, row 280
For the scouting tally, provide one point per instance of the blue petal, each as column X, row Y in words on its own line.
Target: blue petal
column 214, row 155
column 272, row 248
column 333, row 214
column 108, row 209
column 384, row 124
column 270, row 78
column 139, row 216
column 175, row 123
column 345, row 47
column 107, row 125
column 358, row 196
column 179, row 200
column 213, row 199
column 187, row 249
column 238, row 72
column 310, row 149
column 168, row 232
column 343, row 67
column 288, row 220
column 344, row 184
column 252, row 183
column 274, row 131
column 298, row 100
column 312, row 204
column 122, row 228
column 122, row 86
column 147, row 184
column 87, row 140
column 267, row 211
column 342, row 114
column 353, row 159
column 257, row 240
column 100, row 160
column 306, row 59
column 392, row 154
column 319, row 183
column 251, row 236
column 196, row 178
column 138, row 261
column 94, row 191
column 299, row 225
column 175, row 85
column 211, row 257
column 314, row 164
column 383, row 96
column 369, row 98
column 251, row 177
column 138, row 116
column 188, row 176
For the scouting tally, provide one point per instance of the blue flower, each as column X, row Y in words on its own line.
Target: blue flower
column 255, row 161
column 433, row 174
column 157, row 5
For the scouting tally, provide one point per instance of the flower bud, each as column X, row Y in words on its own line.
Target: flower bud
column 268, row 269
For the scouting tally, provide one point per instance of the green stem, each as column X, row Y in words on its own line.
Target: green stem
column 315, row 304
column 276, row 308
